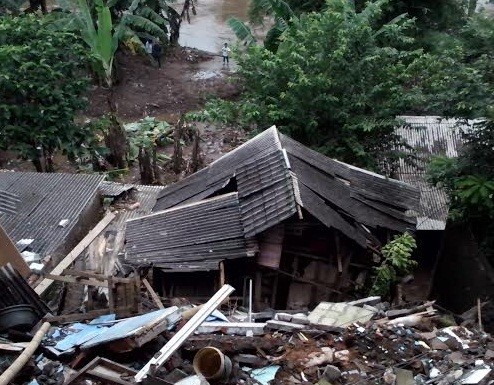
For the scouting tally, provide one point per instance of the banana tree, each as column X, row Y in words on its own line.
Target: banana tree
column 278, row 10
column 102, row 32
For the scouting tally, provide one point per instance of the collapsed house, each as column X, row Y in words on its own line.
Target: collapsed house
column 305, row 228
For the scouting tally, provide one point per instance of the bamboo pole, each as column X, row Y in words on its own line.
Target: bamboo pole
column 9, row 374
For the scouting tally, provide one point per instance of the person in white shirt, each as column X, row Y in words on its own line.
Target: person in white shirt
column 225, row 52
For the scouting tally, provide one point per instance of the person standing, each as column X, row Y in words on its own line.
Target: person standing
column 225, row 52
column 149, row 47
column 157, row 51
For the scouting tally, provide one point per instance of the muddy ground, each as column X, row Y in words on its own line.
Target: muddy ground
column 185, row 80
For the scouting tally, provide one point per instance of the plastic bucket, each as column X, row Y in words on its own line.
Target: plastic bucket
column 212, row 364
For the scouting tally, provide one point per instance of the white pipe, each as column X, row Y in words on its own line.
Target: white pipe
column 181, row 336
column 250, row 300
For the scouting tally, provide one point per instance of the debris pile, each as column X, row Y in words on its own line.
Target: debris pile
column 360, row 342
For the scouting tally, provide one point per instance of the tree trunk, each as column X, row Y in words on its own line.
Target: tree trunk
column 156, row 169
column 115, row 138
column 177, row 146
column 49, row 166
column 145, row 168
column 195, row 152
column 38, row 159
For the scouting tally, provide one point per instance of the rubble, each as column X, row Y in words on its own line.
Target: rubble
column 358, row 342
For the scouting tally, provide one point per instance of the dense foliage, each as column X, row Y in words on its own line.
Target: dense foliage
column 42, row 83
column 339, row 78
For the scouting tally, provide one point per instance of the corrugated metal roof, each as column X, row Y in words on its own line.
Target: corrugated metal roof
column 112, row 189
column 363, row 182
column 16, row 291
column 206, row 231
column 8, row 202
column 45, row 199
column 429, row 136
column 211, row 178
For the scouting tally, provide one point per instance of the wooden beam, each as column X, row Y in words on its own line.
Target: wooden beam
column 76, row 251
column 153, row 294
column 98, row 276
column 81, row 281
column 222, row 273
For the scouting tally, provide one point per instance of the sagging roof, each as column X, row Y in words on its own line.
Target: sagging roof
column 194, row 236
column 273, row 177
column 430, row 136
column 45, row 200
column 113, row 189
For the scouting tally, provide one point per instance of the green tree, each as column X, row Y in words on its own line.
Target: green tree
column 340, row 77
column 42, row 85
column 397, row 262
column 469, row 182
column 336, row 83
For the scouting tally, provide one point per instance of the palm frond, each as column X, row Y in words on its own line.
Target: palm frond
column 144, row 24
column 279, row 9
column 241, row 30
column 153, row 16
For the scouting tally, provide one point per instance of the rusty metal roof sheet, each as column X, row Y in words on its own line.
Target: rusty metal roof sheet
column 45, row 199
column 429, row 136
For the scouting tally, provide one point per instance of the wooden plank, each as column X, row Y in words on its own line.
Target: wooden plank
column 81, row 281
column 111, row 297
column 98, row 276
column 153, row 294
column 76, row 251
column 222, row 273
column 9, row 253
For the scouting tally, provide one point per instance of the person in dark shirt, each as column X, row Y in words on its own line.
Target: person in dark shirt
column 156, row 52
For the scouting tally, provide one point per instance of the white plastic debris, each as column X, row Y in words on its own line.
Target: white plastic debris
column 29, row 256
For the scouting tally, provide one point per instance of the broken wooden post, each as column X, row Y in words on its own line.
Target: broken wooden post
column 153, row 294
column 9, row 374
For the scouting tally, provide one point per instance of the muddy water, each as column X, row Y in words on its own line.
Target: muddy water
column 208, row 29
